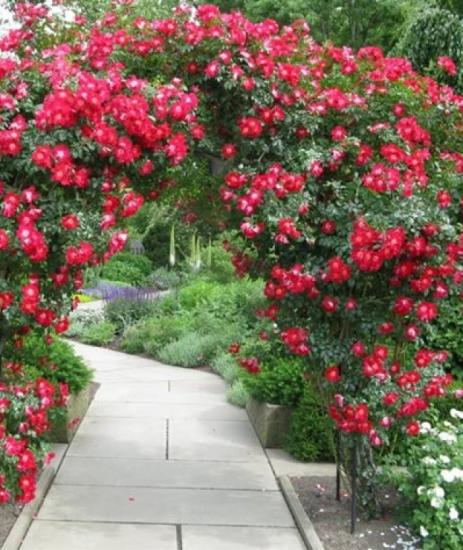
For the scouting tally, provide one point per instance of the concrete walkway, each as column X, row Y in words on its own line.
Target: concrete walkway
column 162, row 462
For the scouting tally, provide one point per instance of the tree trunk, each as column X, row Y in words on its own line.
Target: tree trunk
column 359, row 465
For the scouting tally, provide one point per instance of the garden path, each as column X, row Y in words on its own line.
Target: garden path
column 162, row 462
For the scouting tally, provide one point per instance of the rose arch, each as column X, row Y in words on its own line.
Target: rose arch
column 342, row 170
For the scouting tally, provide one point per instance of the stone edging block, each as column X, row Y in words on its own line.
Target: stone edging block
column 305, row 526
column 271, row 422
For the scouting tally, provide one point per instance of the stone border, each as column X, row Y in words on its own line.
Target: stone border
column 16, row 536
column 303, row 523
column 271, row 422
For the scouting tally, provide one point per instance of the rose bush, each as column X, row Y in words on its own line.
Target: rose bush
column 79, row 141
column 342, row 170
column 24, row 415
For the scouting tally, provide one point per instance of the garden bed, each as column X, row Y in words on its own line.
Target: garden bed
column 331, row 518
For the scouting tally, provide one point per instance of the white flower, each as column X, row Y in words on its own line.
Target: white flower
column 451, row 475
column 444, row 458
column 429, row 461
column 448, row 475
column 425, row 427
column 437, row 502
column 421, row 489
column 455, row 413
column 453, row 514
column 423, row 531
column 436, row 492
column 447, row 437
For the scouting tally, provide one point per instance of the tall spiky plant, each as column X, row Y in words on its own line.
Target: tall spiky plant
column 172, row 246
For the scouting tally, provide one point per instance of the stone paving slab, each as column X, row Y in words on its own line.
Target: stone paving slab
column 133, row 391
column 161, row 453
column 212, row 385
column 286, row 465
column 152, row 373
column 165, row 506
column 213, row 440
column 134, row 367
column 120, row 472
column 154, row 392
column 211, row 411
column 240, row 538
column 120, row 437
column 56, row 535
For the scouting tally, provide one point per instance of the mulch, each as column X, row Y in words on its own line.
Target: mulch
column 331, row 518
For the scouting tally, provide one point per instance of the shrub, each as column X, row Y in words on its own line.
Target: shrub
column 152, row 334
column 198, row 293
column 432, row 485
column 81, row 319
column 124, row 312
column 165, row 330
column 221, row 269
column 76, row 328
column 226, row 366
column 28, row 407
column 433, row 33
column 241, row 298
column 237, row 394
column 311, row 432
column 128, row 268
column 440, row 408
column 446, row 334
column 280, row 382
column 188, row 351
column 164, row 278
column 135, row 338
column 169, row 304
column 100, row 333
column 57, row 362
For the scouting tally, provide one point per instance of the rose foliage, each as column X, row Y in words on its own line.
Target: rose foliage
column 342, row 170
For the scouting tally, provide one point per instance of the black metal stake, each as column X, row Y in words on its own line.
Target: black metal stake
column 353, row 509
column 338, row 466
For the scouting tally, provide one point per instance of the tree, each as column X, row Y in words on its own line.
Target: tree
column 352, row 22
column 432, row 34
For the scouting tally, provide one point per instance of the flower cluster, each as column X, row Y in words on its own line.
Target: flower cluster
column 24, row 414
column 433, row 486
column 82, row 145
column 342, row 170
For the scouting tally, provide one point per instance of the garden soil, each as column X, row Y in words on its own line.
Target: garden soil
column 331, row 519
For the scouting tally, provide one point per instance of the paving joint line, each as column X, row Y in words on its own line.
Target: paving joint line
column 170, row 524
column 178, row 530
column 167, row 439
